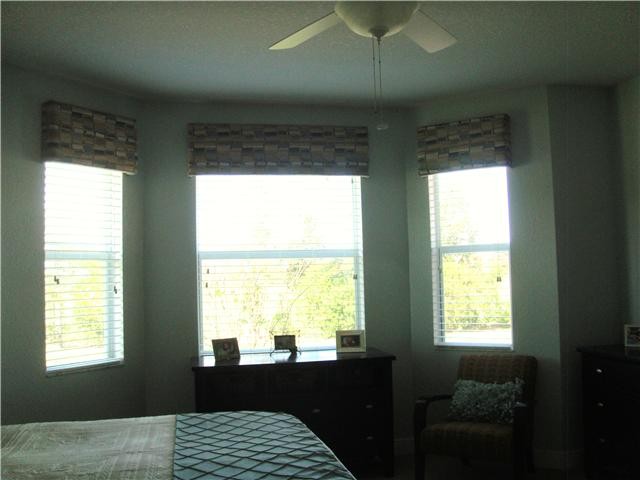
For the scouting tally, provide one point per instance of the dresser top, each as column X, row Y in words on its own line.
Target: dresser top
column 615, row 352
column 247, row 359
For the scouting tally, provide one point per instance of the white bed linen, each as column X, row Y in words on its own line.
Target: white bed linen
column 128, row 448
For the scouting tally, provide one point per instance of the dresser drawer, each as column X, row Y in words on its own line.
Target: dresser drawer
column 603, row 376
column 355, row 444
column 364, row 410
column 355, row 376
column 614, row 460
column 238, row 390
column 313, row 410
column 287, row 381
column 611, row 396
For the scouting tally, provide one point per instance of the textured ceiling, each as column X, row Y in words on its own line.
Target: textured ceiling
column 204, row 51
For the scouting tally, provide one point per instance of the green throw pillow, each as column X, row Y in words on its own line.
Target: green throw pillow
column 485, row 402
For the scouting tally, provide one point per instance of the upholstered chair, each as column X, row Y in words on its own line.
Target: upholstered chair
column 471, row 439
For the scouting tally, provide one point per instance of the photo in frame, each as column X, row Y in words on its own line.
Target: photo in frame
column 285, row 342
column 350, row 341
column 632, row 336
column 225, row 349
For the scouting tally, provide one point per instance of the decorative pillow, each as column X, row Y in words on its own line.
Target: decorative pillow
column 485, row 402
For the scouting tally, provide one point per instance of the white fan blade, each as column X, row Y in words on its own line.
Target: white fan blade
column 307, row 32
column 427, row 33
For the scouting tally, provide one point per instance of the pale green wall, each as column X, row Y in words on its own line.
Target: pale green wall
column 585, row 166
column 533, row 253
column 157, row 377
column 627, row 100
column 170, row 254
column 27, row 394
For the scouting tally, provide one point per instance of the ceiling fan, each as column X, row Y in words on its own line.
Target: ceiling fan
column 376, row 20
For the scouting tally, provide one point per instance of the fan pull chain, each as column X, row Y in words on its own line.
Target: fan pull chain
column 375, row 87
column 381, row 123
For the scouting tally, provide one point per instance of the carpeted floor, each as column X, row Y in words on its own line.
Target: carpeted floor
column 442, row 468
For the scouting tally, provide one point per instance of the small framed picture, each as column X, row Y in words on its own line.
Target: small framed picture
column 350, row 341
column 285, row 342
column 225, row 349
column 632, row 335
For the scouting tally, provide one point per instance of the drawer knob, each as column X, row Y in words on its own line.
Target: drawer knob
column 315, row 410
column 602, row 440
column 368, row 406
column 598, row 370
column 369, row 438
column 600, row 404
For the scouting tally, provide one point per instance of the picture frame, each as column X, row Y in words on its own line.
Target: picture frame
column 632, row 336
column 348, row 341
column 225, row 349
column 285, row 342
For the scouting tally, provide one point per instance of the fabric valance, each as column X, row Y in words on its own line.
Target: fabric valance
column 473, row 143
column 277, row 149
column 78, row 135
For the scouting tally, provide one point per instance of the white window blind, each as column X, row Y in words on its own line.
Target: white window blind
column 470, row 257
column 83, row 266
column 278, row 255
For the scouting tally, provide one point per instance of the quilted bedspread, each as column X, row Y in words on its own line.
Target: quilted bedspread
column 126, row 448
column 251, row 446
column 224, row 445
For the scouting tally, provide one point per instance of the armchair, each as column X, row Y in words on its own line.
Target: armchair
column 469, row 440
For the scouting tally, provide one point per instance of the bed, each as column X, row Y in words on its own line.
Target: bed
column 213, row 446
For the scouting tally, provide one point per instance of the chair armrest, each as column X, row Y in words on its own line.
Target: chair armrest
column 520, row 414
column 420, row 415
column 433, row 398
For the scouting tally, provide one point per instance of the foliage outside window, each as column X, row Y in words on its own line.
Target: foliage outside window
column 470, row 258
column 83, row 266
column 278, row 255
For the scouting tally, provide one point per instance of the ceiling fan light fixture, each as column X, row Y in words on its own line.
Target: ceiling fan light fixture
column 375, row 19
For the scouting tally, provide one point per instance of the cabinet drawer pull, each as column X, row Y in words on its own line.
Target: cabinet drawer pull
column 602, row 440
column 315, row 410
column 599, row 371
column 368, row 406
column 369, row 438
column 600, row 404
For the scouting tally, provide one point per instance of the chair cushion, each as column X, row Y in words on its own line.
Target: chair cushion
column 487, row 441
column 485, row 402
column 500, row 368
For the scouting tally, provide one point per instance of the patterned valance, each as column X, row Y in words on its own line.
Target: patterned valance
column 277, row 149
column 472, row 143
column 78, row 135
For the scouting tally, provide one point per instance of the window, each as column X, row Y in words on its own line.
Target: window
column 278, row 254
column 470, row 257
column 83, row 266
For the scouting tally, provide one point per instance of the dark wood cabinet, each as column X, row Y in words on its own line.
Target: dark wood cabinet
column 346, row 398
column 611, row 411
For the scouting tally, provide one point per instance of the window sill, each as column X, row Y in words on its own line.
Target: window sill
column 64, row 370
column 476, row 348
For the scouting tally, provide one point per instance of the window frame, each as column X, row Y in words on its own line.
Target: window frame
column 438, row 252
column 357, row 254
column 113, row 317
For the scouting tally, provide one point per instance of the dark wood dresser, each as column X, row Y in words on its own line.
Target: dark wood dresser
column 611, row 409
column 346, row 398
